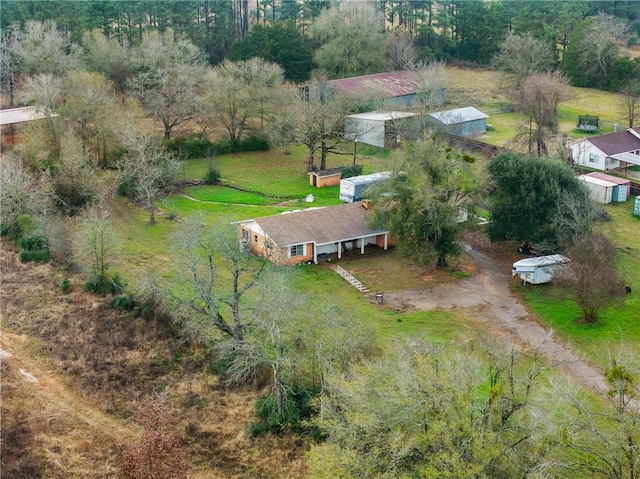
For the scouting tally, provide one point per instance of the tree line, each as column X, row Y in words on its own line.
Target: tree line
column 311, row 34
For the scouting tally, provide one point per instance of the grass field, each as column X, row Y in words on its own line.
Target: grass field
column 272, row 182
column 618, row 327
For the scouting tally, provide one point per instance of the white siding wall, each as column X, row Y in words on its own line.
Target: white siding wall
column 370, row 132
column 586, row 154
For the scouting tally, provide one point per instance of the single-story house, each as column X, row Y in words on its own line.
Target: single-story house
column 12, row 117
column 391, row 89
column 322, row 178
column 384, row 129
column 467, row 121
column 356, row 188
column 621, row 189
column 303, row 236
column 606, row 152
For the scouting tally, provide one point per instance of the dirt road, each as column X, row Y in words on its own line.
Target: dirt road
column 485, row 297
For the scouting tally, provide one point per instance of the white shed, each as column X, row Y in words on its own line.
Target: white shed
column 539, row 269
column 380, row 128
column 357, row 188
column 599, row 190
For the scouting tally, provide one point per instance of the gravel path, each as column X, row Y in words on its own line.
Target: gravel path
column 485, row 297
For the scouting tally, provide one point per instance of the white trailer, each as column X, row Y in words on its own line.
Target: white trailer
column 539, row 269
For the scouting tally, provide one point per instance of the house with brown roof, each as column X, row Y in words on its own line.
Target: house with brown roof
column 307, row 235
column 607, row 152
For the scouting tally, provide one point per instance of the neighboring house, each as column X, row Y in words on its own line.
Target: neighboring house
column 324, row 178
column 606, row 152
column 392, row 89
column 384, row 129
column 10, row 120
column 357, row 188
column 303, row 236
column 467, row 121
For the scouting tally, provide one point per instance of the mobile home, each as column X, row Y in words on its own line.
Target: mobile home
column 357, row 188
column 539, row 269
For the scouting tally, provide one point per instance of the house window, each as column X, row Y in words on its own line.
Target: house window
column 296, row 250
column 245, row 235
column 593, row 158
column 255, row 238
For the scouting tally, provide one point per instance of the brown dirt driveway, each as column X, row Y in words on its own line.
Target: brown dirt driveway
column 485, row 297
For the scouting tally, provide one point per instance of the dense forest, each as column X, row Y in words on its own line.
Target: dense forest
column 466, row 31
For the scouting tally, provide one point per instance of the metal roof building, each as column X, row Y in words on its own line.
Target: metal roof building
column 467, row 121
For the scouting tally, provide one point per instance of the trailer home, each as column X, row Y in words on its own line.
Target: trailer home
column 599, row 190
column 539, row 269
column 357, row 188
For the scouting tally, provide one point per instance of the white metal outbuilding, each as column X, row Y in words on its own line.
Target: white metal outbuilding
column 539, row 269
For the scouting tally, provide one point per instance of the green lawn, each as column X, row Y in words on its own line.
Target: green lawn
column 618, row 326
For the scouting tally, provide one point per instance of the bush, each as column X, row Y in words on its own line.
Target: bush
column 33, row 242
column 212, row 177
column 38, row 256
column 349, row 171
column 65, row 286
column 103, row 285
column 122, row 302
column 297, row 408
column 189, row 147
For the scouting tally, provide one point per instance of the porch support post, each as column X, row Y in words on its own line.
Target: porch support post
column 339, row 249
column 315, row 253
column 361, row 245
column 386, row 240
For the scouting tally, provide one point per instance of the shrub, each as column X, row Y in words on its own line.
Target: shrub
column 32, row 242
column 212, row 177
column 254, row 143
column 297, row 408
column 122, row 302
column 65, row 286
column 38, row 256
column 103, row 285
column 189, row 147
column 349, row 171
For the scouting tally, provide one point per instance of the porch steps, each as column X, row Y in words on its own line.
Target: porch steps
column 354, row 282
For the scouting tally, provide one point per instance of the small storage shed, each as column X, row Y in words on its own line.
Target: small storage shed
column 356, row 188
column 621, row 190
column 381, row 128
column 540, row 269
column 324, row 178
column 636, row 206
column 467, row 121
column 599, row 190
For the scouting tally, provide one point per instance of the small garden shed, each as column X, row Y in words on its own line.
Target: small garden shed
column 621, row 190
column 356, row 188
column 325, row 178
column 467, row 121
column 600, row 191
column 381, row 128
column 539, row 269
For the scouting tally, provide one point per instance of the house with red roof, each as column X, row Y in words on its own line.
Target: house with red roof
column 607, row 152
column 307, row 235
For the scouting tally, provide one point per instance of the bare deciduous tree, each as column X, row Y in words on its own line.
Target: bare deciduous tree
column 213, row 303
column 147, row 169
column 21, row 193
column 401, row 51
column 539, row 97
column 523, row 55
column 631, row 100
column 601, row 44
column 239, row 93
column 591, row 276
